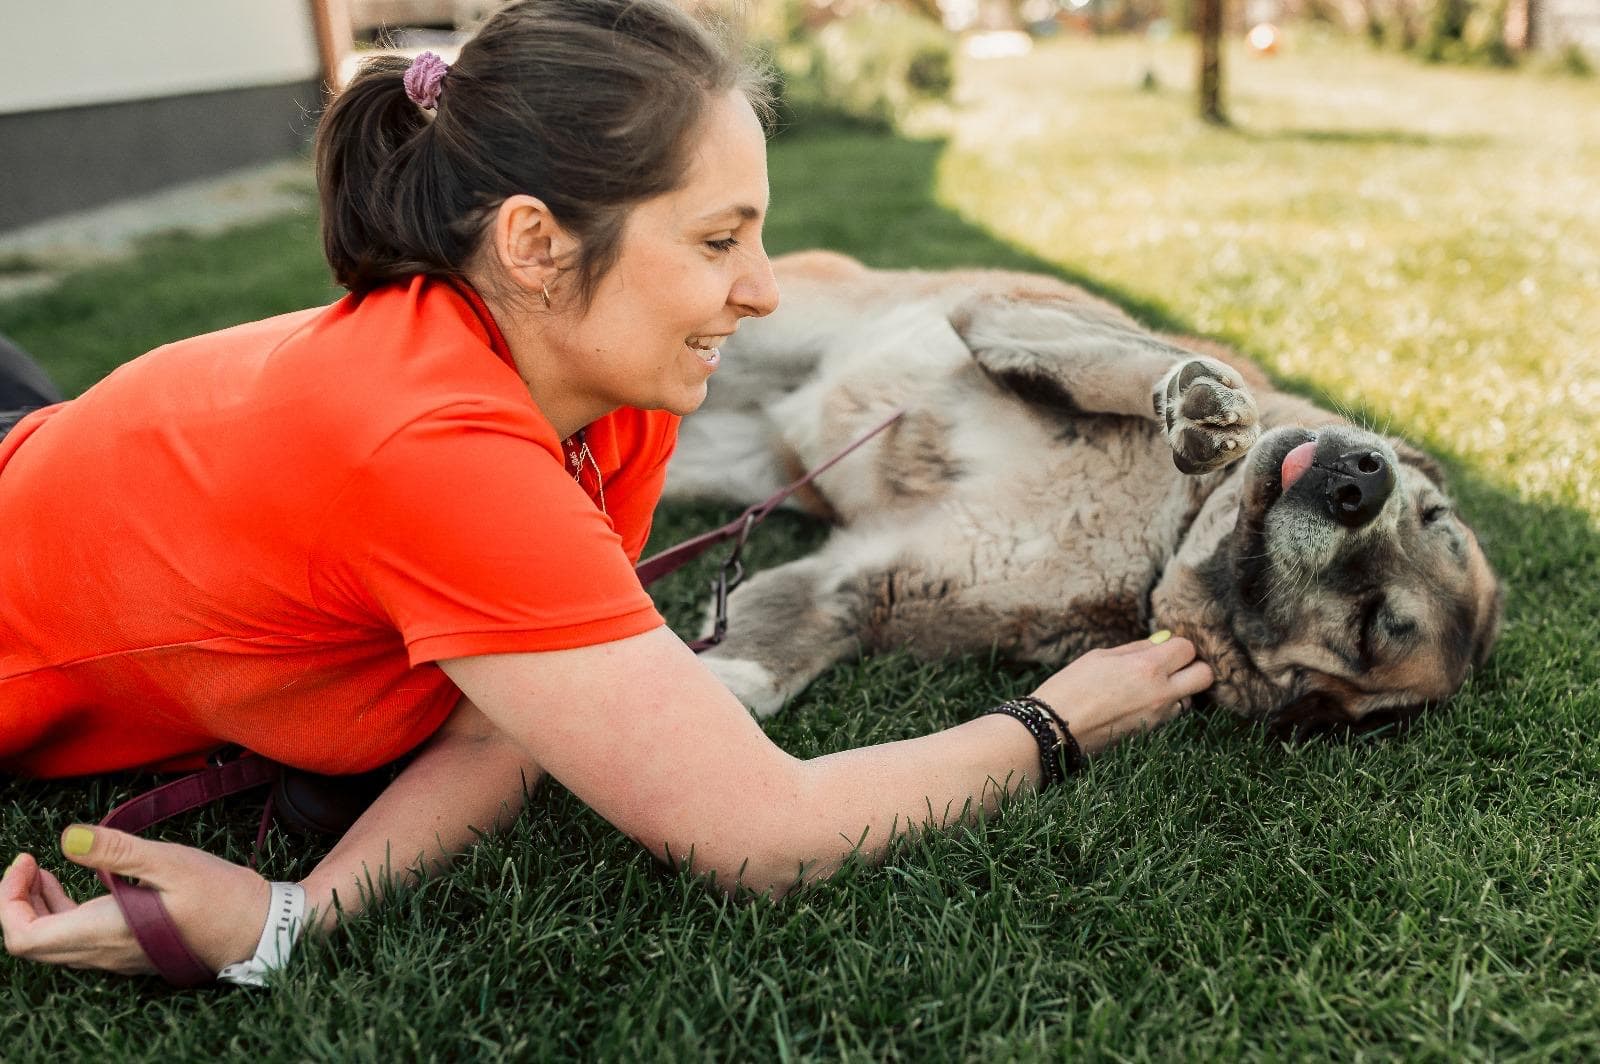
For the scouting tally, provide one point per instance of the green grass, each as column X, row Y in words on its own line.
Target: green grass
column 1420, row 245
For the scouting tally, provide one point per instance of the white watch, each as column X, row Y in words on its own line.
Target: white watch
column 285, row 918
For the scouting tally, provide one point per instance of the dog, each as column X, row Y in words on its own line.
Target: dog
column 1063, row 479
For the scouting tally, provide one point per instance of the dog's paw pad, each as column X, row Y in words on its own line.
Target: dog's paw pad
column 1210, row 417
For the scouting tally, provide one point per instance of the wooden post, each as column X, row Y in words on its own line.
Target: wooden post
column 1209, row 29
column 334, row 38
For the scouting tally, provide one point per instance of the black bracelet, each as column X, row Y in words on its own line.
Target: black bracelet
column 1037, row 721
column 1071, row 754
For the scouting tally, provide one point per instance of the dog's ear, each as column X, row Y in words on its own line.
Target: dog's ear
column 1413, row 456
column 1062, row 350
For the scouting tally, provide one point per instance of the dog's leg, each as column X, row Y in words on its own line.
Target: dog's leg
column 785, row 627
column 1079, row 356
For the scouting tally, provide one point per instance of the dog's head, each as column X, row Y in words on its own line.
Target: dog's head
column 1331, row 583
column 1327, row 579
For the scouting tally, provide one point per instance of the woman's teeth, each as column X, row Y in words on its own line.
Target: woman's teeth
column 707, row 348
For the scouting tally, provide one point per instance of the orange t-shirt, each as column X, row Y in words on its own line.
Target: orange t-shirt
column 266, row 535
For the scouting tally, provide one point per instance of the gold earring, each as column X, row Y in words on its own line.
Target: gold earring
column 545, row 291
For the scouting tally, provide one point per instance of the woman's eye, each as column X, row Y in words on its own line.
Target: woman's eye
column 725, row 244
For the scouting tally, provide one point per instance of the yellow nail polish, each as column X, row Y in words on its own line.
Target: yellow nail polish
column 14, row 862
column 77, row 841
column 1161, row 637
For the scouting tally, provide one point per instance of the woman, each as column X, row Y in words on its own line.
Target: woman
column 405, row 523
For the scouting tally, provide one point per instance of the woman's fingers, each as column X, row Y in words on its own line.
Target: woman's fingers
column 1193, row 678
column 1126, row 689
column 109, row 850
column 41, row 923
column 17, row 911
column 1173, row 651
column 92, row 935
column 219, row 906
column 48, row 890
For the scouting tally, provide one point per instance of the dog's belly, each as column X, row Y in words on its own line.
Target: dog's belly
column 1043, row 554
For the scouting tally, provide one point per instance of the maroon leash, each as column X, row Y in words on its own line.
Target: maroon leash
column 142, row 907
column 731, row 572
column 147, row 916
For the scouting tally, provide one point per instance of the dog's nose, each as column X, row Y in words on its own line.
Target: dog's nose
column 1359, row 483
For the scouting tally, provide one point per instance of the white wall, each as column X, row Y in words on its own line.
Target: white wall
column 63, row 53
column 1572, row 22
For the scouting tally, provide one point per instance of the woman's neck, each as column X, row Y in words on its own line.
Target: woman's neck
column 566, row 407
column 567, row 410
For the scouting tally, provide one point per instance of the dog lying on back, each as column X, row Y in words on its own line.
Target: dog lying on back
column 1063, row 479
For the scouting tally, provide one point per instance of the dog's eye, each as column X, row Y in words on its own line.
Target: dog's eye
column 1434, row 513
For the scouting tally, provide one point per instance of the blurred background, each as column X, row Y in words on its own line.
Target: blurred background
column 108, row 101
column 1370, row 196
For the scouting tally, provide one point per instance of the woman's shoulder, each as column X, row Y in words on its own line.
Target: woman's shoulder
column 332, row 383
column 400, row 354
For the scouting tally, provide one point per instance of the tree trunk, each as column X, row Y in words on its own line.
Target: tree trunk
column 1209, row 27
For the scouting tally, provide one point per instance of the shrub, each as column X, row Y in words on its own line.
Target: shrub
column 870, row 69
column 1483, row 37
column 1573, row 60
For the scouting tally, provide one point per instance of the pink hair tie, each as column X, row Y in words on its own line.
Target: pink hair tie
column 423, row 78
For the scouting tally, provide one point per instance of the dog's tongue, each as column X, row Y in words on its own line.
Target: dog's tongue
column 1296, row 462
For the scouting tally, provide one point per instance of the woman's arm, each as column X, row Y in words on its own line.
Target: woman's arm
column 642, row 732
column 468, row 779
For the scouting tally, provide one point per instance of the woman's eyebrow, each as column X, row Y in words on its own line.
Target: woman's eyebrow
column 744, row 212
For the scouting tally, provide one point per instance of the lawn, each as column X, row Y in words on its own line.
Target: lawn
column 1420, row 246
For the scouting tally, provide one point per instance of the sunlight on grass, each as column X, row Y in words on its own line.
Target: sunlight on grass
column 1422, row 243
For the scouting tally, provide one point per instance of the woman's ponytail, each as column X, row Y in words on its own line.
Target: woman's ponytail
column 365, row 146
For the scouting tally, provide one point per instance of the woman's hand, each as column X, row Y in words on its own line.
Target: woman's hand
column 219, row 907
column 1107, row 694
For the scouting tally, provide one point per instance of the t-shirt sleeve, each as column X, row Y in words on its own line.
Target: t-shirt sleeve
column 466, row 535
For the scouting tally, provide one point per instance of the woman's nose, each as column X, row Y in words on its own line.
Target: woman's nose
column 757, row 291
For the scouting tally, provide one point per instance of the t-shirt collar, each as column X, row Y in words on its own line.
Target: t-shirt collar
column 497, row 339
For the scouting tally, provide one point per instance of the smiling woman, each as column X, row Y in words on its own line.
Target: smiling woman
column 403, row 526
column 690, row 266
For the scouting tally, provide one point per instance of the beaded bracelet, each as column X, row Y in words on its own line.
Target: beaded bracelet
column 1071, row 754
column 1059, row 752
column 1038, row 725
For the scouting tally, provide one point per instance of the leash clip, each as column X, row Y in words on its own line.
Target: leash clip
column 729, row 576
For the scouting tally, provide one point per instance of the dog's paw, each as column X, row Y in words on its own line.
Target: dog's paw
column 752, row 684
column 1211, row 419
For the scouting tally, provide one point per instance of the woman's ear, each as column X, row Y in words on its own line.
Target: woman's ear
column 525, row 241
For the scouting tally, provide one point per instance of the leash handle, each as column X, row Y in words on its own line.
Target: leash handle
column 141, row 906
column 672, row 559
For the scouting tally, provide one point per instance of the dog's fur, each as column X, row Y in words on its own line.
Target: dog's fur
column 1028, row 500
